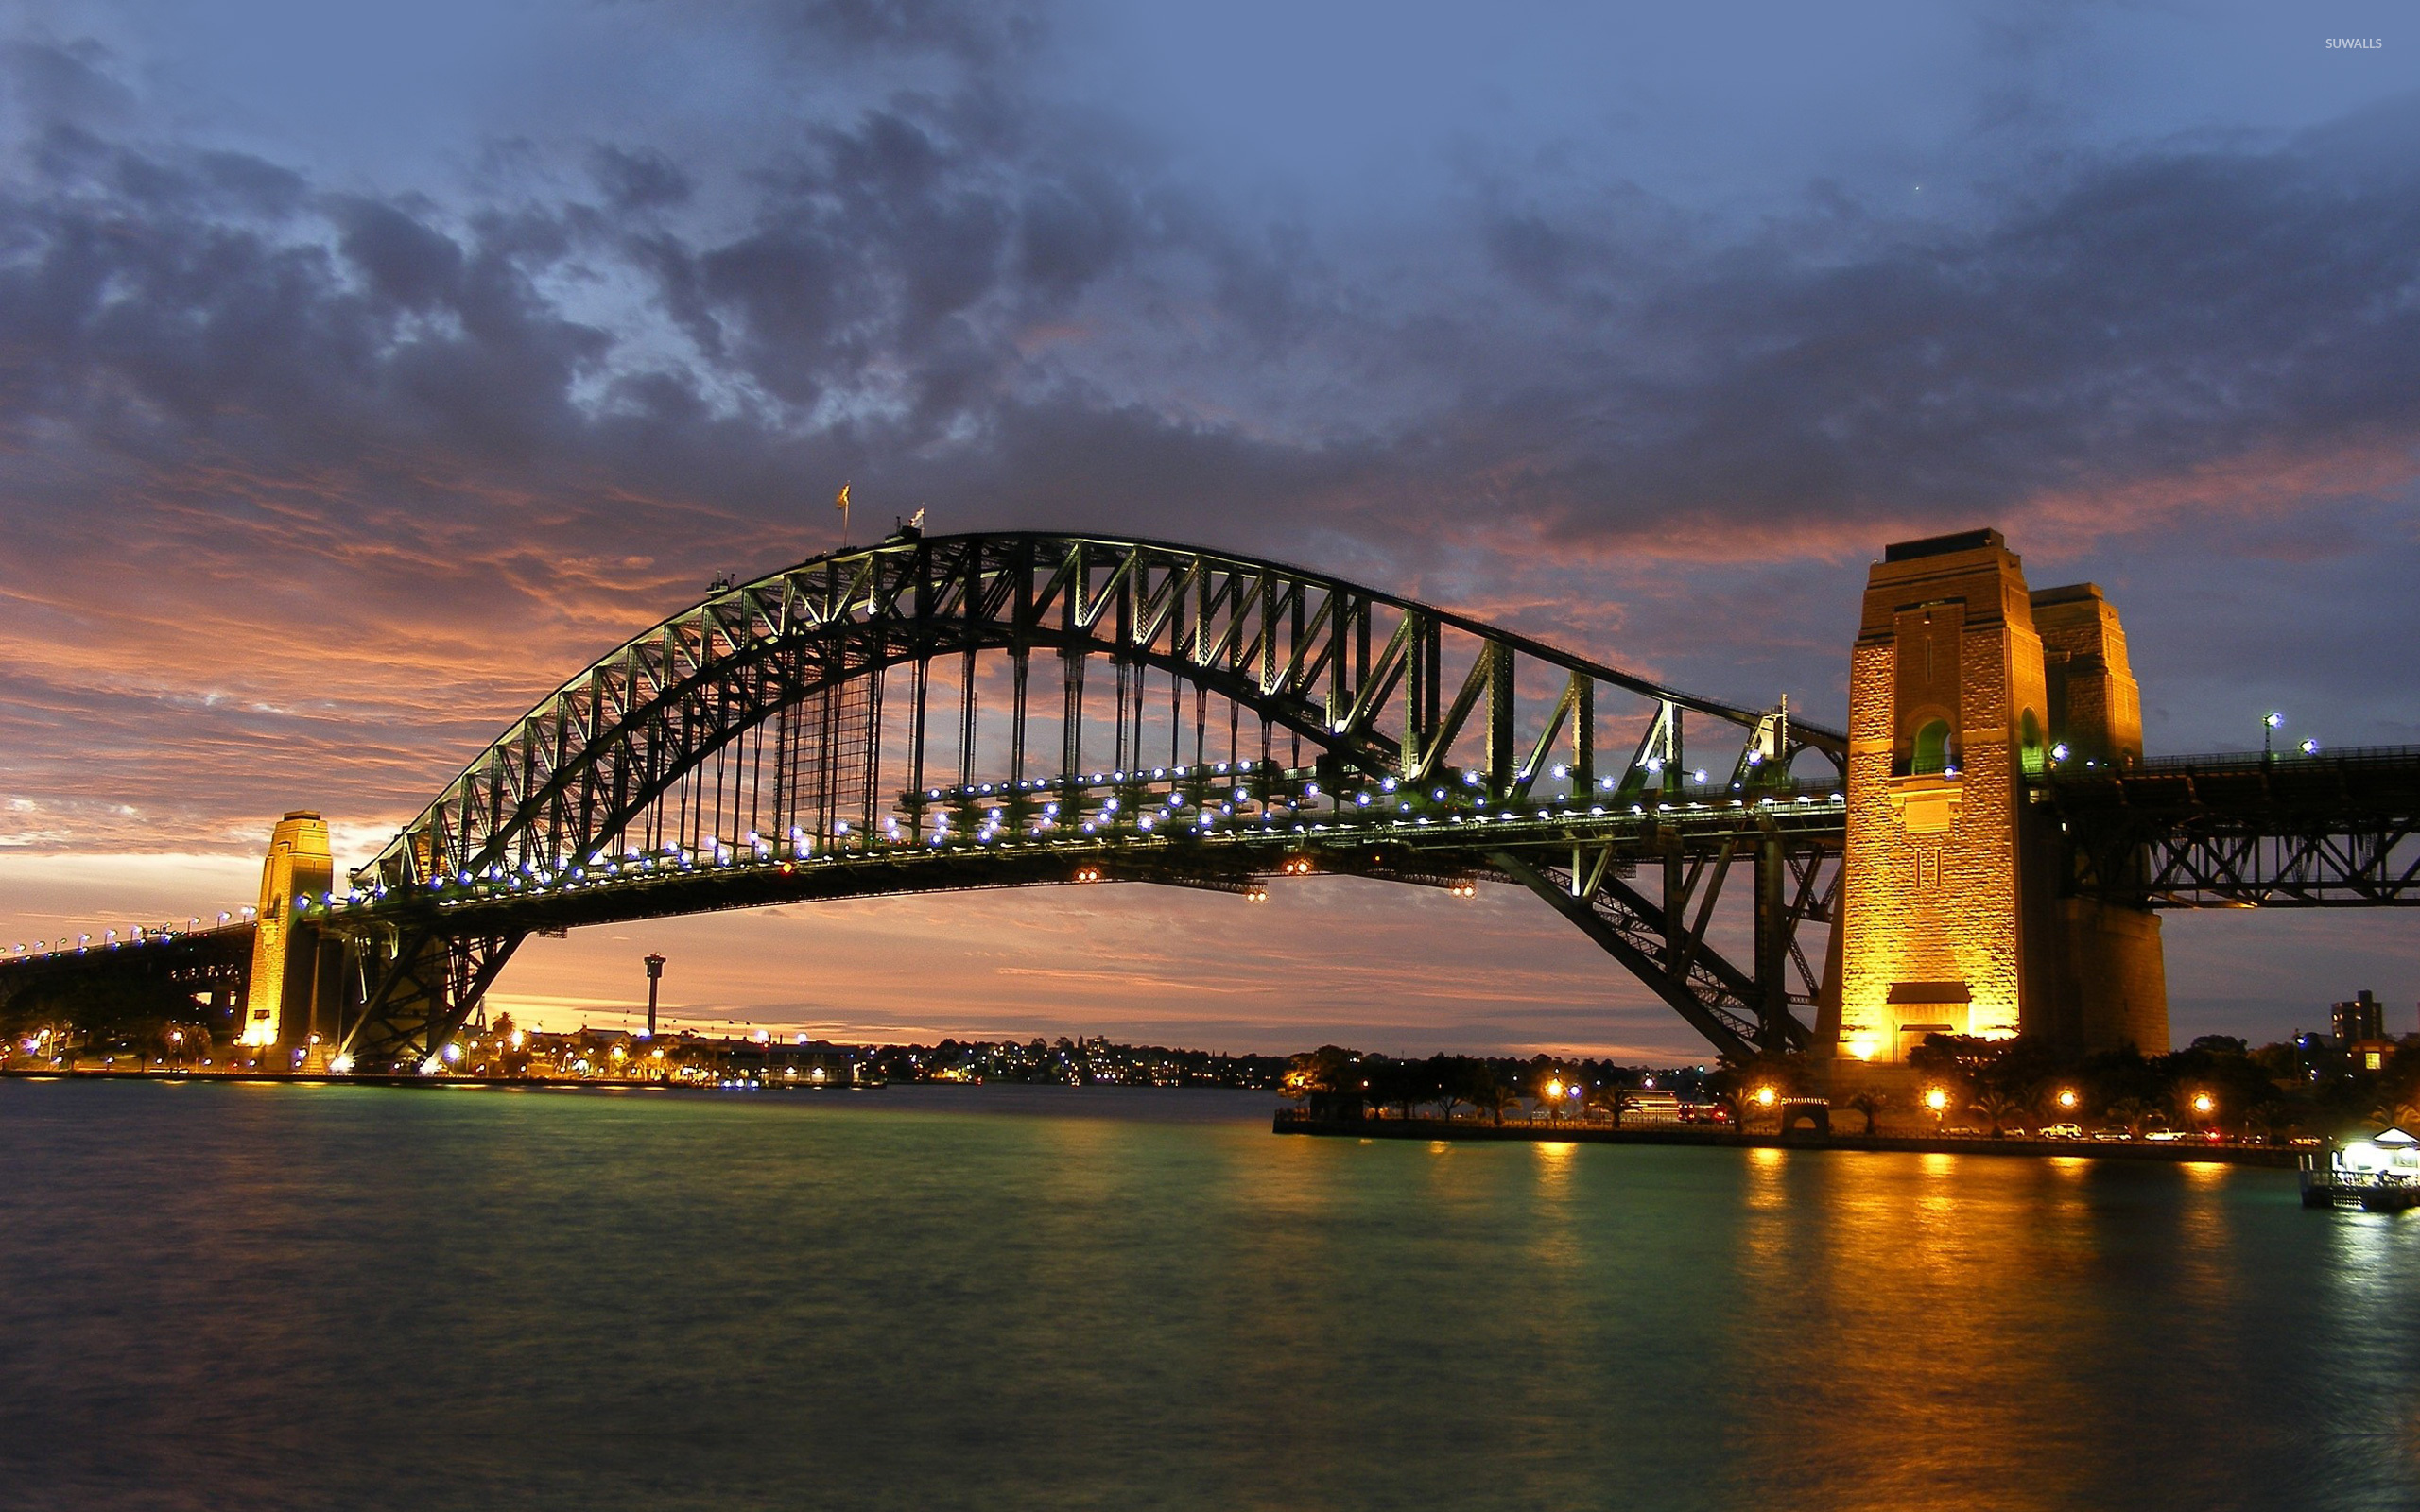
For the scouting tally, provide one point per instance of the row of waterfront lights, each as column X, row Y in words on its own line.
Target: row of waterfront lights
column 1937, row 1101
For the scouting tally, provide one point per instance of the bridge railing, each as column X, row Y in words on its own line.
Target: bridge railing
column 148, row 939
column 2243, row 762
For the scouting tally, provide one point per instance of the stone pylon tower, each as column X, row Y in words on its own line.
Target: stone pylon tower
column 299, row 862
column 1964, row 686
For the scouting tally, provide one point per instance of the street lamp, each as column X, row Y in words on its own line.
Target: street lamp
column 1937, row 1100
column 2269, row 723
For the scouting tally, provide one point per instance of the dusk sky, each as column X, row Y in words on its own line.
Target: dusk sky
column 362, row 378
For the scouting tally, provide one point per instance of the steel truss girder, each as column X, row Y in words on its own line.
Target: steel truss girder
column 419, row 994
column 1292, row 646
column 1741, row 1012
column 2338, row 830
column 217, row 959
column 2161, row 866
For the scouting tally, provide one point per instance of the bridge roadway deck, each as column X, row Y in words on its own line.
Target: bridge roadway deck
column 2248, row 791
column 2324, row 829
column 199, row 958
column 1229, row 857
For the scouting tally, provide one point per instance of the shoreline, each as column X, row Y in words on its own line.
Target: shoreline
column 2270, row 1157
column 315, row 1078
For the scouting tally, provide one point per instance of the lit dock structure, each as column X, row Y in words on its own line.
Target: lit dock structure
column 2380, row 1174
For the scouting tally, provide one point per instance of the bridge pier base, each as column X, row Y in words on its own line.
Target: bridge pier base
column 286, row 949
column 421, row 990
column 1965, row 684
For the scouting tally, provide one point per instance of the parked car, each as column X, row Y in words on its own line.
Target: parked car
column 2063, row 1132
column 2112, row 1135
column 2166, row 1136
column 1961, row 1132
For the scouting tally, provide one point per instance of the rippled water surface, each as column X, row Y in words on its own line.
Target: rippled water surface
column 245, row 1296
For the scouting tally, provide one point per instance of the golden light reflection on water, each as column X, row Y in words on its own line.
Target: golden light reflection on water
column 1932, row 1276
column 2208, row 1270
column 1555, row 1242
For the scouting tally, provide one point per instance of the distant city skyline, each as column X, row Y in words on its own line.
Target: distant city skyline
column 360, row 377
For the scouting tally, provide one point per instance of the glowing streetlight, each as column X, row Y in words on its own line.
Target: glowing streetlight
column 2205, row 1105
column 1937, row 1100
column 2269, row 723
column 2067, row 1099
column 1764, row 1097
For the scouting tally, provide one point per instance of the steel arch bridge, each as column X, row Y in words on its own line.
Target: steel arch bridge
column 874, row 721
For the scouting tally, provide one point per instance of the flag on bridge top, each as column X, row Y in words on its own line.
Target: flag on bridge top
column 840, row 500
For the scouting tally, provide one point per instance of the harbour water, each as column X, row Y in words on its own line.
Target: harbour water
column 357, row 1298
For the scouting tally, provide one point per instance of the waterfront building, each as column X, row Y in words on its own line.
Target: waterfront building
column 2362, row 1018
column 1651, row 1106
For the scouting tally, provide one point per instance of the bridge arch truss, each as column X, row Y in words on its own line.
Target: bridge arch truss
column 1030, row 705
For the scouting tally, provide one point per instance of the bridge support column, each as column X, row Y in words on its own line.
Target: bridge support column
column 422, row 989
column 277, row 1006
column 1963, row 684
column 1772, row 944
column 2108, row 975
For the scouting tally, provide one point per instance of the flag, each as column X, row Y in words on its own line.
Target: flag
column 840, row 500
